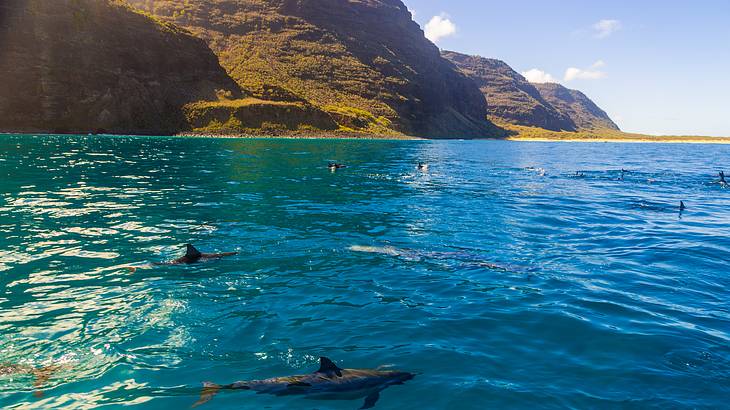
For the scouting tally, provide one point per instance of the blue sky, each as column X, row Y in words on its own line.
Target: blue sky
column 657, row 67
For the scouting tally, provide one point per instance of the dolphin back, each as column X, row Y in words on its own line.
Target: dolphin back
column 328, row 382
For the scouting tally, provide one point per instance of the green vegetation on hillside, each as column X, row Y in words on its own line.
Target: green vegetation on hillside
column 354, row 67
column 523, row 133
column 356, row 55
column 250, row 115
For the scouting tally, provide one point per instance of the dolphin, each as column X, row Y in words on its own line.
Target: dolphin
column 682, row 206
column 466, row 259
column 41, row 375
column 423, row 167
column 333, row 166
column 385, row 250
column 193, row 255
column 328, row 383
column 722, row 178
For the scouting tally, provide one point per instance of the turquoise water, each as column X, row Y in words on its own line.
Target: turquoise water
column 502, row 287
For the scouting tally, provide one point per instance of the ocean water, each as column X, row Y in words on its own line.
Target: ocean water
column 500, row 276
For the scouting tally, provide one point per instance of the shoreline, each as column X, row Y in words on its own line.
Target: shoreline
column 305, row 135
column 534, row 134
column 629, row 140
column 312, row 135
column 309, row 135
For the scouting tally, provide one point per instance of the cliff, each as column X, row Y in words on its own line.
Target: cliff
column 272, row 66
column 363, row 61
column 510, row 97
column 98, row 65
column 585, row 113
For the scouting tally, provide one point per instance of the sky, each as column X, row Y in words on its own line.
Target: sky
column 656, row 67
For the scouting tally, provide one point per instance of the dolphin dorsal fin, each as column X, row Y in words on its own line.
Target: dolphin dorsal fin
column 327, row 366
column 191, row 252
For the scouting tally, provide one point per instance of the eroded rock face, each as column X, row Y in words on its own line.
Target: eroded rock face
column 97, row 65
column 338, row 54
column 510, row 97
column 576, row 105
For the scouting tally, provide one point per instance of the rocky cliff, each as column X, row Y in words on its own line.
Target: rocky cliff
column 364, row 61
column 90, row 65
column 585, row 113
column 279, row 65
column 510, row 97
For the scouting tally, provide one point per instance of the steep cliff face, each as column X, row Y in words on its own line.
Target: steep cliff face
column 576, row 105
column 510, row 97
column 341, row 55
column 89, row 65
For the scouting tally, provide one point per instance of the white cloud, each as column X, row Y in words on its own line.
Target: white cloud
column 573, row 73
column 538, row 76
column 605, row 28
column 579, row 74
column 440, row 27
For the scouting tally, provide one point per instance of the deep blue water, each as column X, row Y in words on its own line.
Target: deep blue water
column 502, row 287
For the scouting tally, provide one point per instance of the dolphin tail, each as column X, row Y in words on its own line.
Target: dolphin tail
column 41, row 377
column 371, row 400
column 207, row 394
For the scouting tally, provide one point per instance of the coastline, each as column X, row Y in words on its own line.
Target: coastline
column 542, row 136
column 263, row 135
column 304, row 135
column 629, row 140
column 533, row 134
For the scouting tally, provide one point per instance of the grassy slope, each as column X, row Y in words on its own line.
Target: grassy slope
column 522, row 133
column 364, row 62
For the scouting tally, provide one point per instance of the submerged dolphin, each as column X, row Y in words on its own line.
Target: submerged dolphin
column 385, row 250
column 41, row 375
column 193, row 255
column 466, row 259
column 328, row 383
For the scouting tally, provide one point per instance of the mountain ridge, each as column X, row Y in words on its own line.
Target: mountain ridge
column 512, row 99
column 582, row 110
column 348, row 67
column 352, row 58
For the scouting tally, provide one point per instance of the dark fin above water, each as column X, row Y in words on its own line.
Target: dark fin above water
column 370, row 401
column 328, row 366
column 191, row 252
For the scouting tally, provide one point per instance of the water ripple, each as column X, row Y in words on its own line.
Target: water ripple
column 502, row 276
